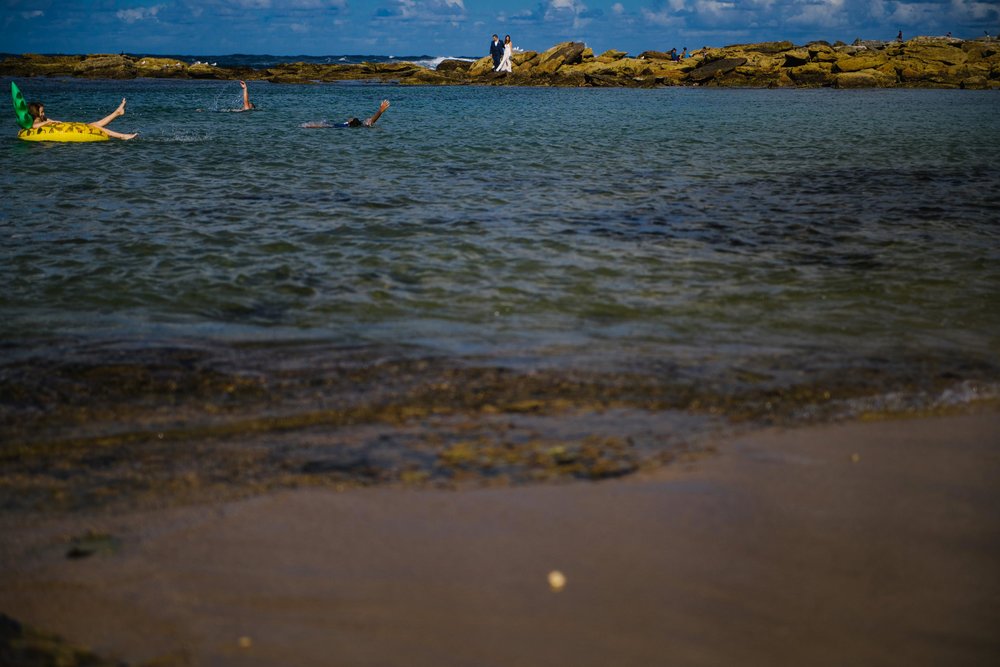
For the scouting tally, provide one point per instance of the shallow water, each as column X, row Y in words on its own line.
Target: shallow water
column 697, row 250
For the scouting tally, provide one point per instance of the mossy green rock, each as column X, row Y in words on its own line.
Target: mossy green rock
column 920, row 62
column 860, row 62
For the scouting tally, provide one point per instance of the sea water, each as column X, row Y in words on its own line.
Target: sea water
column 725, row 245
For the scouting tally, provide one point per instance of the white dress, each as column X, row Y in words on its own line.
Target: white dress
column 505, row 65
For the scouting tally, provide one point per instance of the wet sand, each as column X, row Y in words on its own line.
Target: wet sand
column 863, row 543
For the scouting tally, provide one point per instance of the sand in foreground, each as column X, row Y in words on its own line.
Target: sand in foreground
column 867, row 544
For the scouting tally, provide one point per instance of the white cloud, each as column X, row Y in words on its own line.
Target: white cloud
column 430, row 11
column 665, row 18
column 618, row 8
column 558, row 10
column 715, row 9
column 139, row 13
column 821, row 14
column 33, row 14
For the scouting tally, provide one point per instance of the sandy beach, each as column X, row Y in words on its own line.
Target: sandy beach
column 861, row 543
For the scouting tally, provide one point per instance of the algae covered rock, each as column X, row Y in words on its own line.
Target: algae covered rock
column 161, row 67
column 921, row 62
column 812, row 74
column 654, row 55
column 796, row 57
column 482, row 66
column 567, row 53
column 454, row 66
column 611, row 55
column 715, row 68
column 768, row 47
column 860, row 62
column 935, row 52
column 106, row 67
column 863, row 79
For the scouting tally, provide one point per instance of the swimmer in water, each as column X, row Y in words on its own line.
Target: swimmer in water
column 353, row 122
column 37, row 111
column 247, row 104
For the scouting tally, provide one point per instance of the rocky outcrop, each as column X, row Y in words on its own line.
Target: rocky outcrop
column 920, row 62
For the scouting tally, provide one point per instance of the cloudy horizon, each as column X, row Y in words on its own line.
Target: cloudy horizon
column 462, row 27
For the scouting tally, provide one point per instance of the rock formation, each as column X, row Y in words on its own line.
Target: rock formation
column 923, row 62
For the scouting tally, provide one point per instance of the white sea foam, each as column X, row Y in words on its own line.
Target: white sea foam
column 432, row 63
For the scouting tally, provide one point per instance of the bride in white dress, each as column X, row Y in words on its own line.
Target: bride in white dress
column 508, row 52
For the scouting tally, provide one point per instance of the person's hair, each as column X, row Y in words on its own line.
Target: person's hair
column 354, row 122
column 495, row 36
column 506, row 39
column 35, row 109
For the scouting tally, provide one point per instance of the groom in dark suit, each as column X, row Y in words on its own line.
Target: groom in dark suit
column 496, row 50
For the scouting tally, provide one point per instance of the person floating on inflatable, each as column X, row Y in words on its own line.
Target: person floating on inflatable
column 38, row 127
column 37, row 111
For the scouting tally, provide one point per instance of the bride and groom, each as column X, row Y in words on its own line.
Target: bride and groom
column 502, row 54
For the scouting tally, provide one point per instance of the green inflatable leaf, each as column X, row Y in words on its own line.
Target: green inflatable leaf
column 24, row 118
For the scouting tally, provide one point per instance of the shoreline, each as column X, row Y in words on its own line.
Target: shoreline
column 921, row 62
column 859, row 542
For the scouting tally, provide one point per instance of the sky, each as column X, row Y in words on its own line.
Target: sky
column 463, row 27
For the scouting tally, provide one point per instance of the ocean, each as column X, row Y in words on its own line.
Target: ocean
column 493, row 283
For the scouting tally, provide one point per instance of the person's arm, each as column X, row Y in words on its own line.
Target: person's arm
column 246, row 96
column 381, row 110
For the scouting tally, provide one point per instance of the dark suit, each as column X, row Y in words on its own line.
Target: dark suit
column 496, row 50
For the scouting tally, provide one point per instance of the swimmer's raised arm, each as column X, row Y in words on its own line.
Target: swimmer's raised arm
column 246, row 96
column 381, row 109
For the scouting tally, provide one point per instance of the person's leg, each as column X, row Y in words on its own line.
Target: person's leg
column 112, row 133
column 120, row 111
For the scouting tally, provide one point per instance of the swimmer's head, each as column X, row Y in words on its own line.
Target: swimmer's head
column 37, row 110
column 354, row 122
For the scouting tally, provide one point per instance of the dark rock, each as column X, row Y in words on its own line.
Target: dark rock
column 812, row 74
column 715, row 68
column 349, row 463
column 768, row 47
column 567, row 53
column 454, row 66
column 611, row 55
column 797, row 57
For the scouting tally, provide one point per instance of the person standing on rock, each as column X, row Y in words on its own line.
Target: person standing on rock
column 508, row 53
column 496, row 50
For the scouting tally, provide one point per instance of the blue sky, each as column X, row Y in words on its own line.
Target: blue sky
column 462, row 27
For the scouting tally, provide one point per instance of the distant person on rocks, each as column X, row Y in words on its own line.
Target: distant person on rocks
column 37, row 111
column 247, row 104
column 899, row 36
column 496, row 51
column 673, row 54
column 506, row 64
column 352, row 122
column 685, row 54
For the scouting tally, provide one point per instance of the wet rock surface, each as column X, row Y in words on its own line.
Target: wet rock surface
column 923, row 62
column 99, row 427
